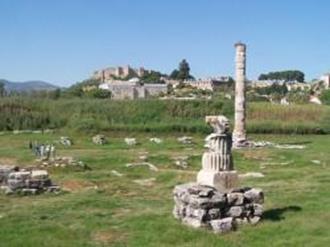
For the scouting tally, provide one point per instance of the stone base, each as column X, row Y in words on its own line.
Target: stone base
column 223, row 181
column 202, row 206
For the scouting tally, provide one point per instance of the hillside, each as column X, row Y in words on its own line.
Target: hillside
column 27, row 86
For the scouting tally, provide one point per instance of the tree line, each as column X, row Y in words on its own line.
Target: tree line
column 287, row 76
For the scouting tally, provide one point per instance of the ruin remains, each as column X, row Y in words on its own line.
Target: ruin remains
column 215, row 202
column 25, row 182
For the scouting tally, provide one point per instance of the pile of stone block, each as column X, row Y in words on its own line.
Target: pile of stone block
column 203, row 206
column 26, row 182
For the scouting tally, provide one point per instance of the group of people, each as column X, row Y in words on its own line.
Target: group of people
column 43, row 151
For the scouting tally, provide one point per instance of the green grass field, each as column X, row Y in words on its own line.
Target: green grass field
column 101, row 209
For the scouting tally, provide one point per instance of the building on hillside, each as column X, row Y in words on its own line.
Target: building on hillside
column 119, row 72
column 326, row 80
column 133, row 89
column 202, row 84
column 298, row 86
column 291, row 85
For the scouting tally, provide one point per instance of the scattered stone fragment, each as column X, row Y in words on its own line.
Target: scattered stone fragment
column 276, row 164
column 257, row 209
column 99, row 140
column 287, row 146
column 156, row 140
column 66, row 141
column 254, row 220
column 195, row 223
column 65, row 162
column 223, row 225
column 181, row 162
column 143, row 157
column 235, row 211
column 242, row 221
column 114, row 172
column 130, row 141
column 252, row 175
column 259, row 144
column 254, row 196
column 151, row 166
column 317, row 162
column 145, row 182
column 235, row 199
column 185, row 140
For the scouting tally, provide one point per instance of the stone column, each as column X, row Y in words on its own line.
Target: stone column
column 239, row 134
column 217, row 163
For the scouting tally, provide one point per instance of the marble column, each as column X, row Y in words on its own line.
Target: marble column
column 239, row 133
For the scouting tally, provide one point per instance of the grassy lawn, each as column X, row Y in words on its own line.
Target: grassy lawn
column 99, row 208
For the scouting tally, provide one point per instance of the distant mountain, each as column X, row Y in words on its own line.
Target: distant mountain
column 28, row 86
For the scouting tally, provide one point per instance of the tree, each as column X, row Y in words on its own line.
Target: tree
column 287, row 75
column 99, row 93
column 183, row 73
column 75, row 90
column 174, row 74
column 153, row 77
column 55, row 94
column 273, row 89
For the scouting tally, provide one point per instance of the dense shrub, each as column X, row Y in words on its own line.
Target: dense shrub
column 325, row 97
column 92, row 115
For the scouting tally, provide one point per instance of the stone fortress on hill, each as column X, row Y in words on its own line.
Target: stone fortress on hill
column 119, row 72
column 115, row 79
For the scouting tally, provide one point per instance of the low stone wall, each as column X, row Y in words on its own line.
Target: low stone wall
column 203, row 206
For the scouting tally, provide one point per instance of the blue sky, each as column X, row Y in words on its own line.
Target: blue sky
column 64, row 41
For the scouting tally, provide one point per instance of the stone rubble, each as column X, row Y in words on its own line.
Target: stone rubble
column 203, row 206
column 64, row 162
column 251, row 175
column 27, row 182
column 185, row 140
column 289, row 146
column 116, row 173
column 261, row 144
column 66, row 141
column 145, row 182
column 181, row 162
column 99, row 140
column 130, row 141
column 156, row 140
column 143, row 157
column 151, row 166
